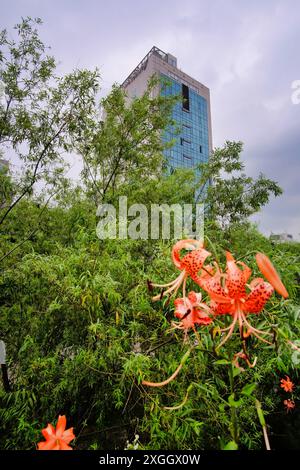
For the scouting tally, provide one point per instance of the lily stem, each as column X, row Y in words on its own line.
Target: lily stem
column 234, row 420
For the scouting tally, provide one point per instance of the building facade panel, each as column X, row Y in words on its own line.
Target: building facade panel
column 192, row 133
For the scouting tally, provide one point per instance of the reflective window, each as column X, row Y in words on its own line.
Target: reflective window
column 190, row 130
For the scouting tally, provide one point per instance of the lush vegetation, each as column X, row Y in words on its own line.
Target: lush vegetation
column 76, row 315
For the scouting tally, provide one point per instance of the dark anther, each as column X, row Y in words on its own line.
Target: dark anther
column 149, row 284
column 186, row 314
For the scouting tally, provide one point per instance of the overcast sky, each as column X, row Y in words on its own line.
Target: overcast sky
column 247, row 53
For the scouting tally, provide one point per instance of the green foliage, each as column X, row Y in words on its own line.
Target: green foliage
column 82, row 333
column 77, row 319
column 124, row 145
column 233, row 196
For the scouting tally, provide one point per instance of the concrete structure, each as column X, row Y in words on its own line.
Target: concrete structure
column 192, row 115
column 281, row 237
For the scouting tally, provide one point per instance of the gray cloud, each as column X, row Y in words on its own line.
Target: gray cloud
column 246, row 52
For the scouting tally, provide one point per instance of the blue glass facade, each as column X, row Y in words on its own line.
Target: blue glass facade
column 191, row 129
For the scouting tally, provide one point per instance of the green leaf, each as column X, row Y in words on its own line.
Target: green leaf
column 222, row 406
column 233, row 402
column 231, row 445
column 248, row 389
column 236, row 371
column 222, row 362
column 260, row 413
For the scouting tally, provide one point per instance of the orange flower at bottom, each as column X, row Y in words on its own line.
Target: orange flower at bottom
column 287, row 384
column 58, row 438
column 289, row 404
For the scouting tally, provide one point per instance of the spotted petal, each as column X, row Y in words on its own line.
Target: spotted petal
column 235, row 281
column 193, row 261
column 212, row 285
column 258, row 297
column 222, row 308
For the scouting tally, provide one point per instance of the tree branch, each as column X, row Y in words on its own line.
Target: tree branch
column 33, row 178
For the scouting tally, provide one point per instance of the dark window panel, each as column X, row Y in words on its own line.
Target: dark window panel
column 185, row 98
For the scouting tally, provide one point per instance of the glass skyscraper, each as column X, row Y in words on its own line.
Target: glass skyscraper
column 192, row 130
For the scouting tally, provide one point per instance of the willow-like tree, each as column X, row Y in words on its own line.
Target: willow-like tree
column 125, row 147
column 42, row 115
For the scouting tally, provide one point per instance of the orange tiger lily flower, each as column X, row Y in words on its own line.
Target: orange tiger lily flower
column 189, row 265
column 287, row 384
column 289, row 404
column 191, row 311
column 270, row 273
column 228, row 294
column 58, row 438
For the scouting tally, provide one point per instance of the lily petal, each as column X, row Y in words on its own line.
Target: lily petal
column 63, row 445
column 194, row 298
column 257, row 299
column 68, row 435
column 267, row 269
column 48, row 432
column 181, row 307
column 212, row 285
column 47, row 445
column 222, row 308
column 61, row 425
column 235, row 281
column 188, row 244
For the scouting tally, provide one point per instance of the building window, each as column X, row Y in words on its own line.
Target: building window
column 184, row 141
column 185, row 98
column 186, row 129
column 200, row 148
column 187, row 157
